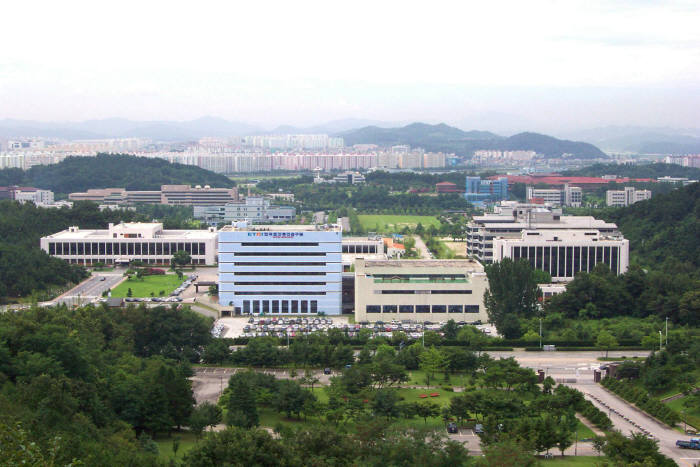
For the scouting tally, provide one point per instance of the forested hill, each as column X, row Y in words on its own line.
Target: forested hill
column 636, row 171
column 111, row 170
column 449, row 139
column 664, row 229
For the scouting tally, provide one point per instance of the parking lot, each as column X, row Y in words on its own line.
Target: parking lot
column 286, row 326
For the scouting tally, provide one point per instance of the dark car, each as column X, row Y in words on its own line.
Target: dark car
column 326, row 371
column 452, row 428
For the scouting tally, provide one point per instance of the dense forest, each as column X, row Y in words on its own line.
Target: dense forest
column 636, row 171
column 24, row 268
column 92, row 386
column 111, row 170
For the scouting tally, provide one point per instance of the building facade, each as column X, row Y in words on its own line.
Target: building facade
column 568, row 196
column 626, row 197
column 253, row 209
column 420, row 290
column 286, row 269
column 183, row 195
column 563, row 254
column 126, row 242
column 479, row 191
column 510, row 219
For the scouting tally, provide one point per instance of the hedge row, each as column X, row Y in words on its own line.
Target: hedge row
column 643, row 400
column 586, row 408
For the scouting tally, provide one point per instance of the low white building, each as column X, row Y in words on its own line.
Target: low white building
column 125, row 242
column 34, row 195
column 568, row 196
column 564, row 253
column 628, row 196
column 253, row 209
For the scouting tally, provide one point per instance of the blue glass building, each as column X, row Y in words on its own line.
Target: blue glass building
column 280, row 269
column 479, row 190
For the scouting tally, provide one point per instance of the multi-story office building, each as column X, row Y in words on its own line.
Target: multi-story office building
column 564, row 253
column 285, row 269
column 510, row 219
column 253, row 209
column 184, row 195
column 24, row 194
column 626, row 197
column 353, row 248
column 125, row 242
column 568, row 196
column 421, row 290
column 479, row 191
column 351, row 178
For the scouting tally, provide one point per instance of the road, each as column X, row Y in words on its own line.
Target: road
column 422, row 249
column 91, row 288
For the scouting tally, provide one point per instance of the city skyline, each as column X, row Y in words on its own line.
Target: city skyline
column 545, row 66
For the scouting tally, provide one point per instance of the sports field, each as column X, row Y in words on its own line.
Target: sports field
column 144, row 287
column 390, row 223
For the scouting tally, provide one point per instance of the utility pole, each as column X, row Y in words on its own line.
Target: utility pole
column 667, row 331
column 540, row 333
column 659, row 340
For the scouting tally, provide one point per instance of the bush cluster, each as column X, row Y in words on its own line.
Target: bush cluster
column 643, row 400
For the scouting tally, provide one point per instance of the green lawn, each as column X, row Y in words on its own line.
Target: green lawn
column 389, row 223
column 691, row 416
column 573, row 461
column 144, row 287
column 165, row 446
column 584, row 431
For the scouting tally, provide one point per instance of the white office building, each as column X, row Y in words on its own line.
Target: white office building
column 284, row 269
column 626, row 197
column 126, row 242
column 563, row 253
column 568, row 196
column 256, row 210
column 34, row 195
column 510, row 219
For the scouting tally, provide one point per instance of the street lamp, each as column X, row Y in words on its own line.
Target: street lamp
column 659, row 340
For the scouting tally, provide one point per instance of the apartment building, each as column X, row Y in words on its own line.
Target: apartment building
column 626, row 197
column 285, row 269
column 183, row 195
column 564, row 253
column 509, row 219
column 126, row 242
column 420, row 290
column 254, row 209
column 568, row 196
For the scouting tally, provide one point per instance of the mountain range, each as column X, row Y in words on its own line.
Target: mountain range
column 643, row 140
column 444, row 138
column 440, row 137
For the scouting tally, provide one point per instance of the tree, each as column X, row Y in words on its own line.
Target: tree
column 432, row 361
column 129, row 292
column 507, row 453
column 605, row 341
column 203, row 416
column 181, row 258
column 291, row 397
column 427, row 409
column 386, row 403
column 242, row 410
column 512, row 292
column 450, row 329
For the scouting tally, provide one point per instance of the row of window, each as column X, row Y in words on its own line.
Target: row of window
column 276, row 263
column 280, row 306
column 279, row 283
column 280, row 253
column 124, row 248
column 418, row 292
column 359, row 249
column 566, row 261
column 422, row 308
column 265, row 244
column 91, row 261
column 315, row 292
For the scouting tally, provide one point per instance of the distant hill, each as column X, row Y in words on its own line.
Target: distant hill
column 636, row 171
column 107, row 171
column 445, row 138
column 643, row 140
column 122, row 128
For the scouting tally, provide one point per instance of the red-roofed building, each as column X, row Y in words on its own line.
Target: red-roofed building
column 558, row 180
column 447, row 187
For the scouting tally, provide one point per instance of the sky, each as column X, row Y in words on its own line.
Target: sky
column 552, row 66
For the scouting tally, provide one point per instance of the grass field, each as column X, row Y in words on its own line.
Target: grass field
column 389, row 223
column 573, row 461
column 165, row 446
column 144, row 287
column 691, row 416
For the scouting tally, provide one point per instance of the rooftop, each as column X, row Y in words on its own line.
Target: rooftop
column 470, row 264
column 245, row 227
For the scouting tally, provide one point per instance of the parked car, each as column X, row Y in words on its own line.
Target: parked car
column 326, row 371
column 478, row 429
column 452, row 428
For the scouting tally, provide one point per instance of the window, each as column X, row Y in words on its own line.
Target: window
column 246, row 306
column 73, row 249
column 295, row 306
column 123, row 248
column 304, row 306
column 109, row 249
column 94, row 249
column 314, row 306
column 405, row 308
column 389, row 309
column 374, row 309
column 151, row 249
column 159, row 248
column 462, row 292
column 195, row 248
column 275, row 306
column 188, row 247
column 52, row 248
column 422, row 308
column 471, row 308
column 455, row 308
column 256, row 306
column 285, row 306
column 266, row 306
column 439, row 309
column 263, row 244
column 129, row 248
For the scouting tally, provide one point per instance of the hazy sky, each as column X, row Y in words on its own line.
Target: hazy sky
column 499, row 65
